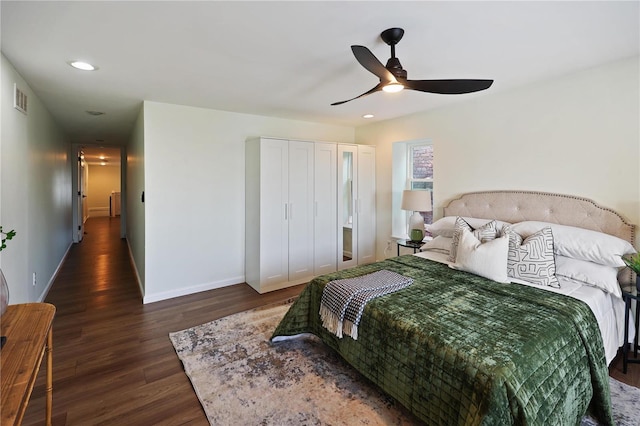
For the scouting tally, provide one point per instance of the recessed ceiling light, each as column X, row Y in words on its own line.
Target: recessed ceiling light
column 367, row 116
column 95, row 112
column 84, row 66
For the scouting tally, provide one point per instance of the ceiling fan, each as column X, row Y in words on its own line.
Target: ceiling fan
column 393, row 78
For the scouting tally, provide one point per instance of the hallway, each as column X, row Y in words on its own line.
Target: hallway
column 113, row 362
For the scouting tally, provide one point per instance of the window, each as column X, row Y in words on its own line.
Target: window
column 420, row 171
column 412, row 169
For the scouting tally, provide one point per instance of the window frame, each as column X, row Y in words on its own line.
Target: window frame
column 410, row 155
column 428, row 216
column 402, row 179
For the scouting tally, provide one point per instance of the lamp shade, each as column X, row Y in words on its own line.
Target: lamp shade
column 416, row 201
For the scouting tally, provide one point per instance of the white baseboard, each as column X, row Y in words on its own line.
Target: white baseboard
column 45, row 292
column 135, row 268
column 98, row 211
column 150, row 298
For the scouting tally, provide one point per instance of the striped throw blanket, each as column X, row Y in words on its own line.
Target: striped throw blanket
column 343, row 301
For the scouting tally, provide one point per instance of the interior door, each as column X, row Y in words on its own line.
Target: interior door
column 80, row 195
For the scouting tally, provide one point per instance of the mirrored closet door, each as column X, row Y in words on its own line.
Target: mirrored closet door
column 347, row 206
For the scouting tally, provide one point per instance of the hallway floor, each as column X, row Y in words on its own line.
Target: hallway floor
column 113, row 363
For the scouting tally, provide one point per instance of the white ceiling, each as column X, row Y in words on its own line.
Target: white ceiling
column 292, row 59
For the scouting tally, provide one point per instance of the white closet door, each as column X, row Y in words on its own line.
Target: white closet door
column 300, row 214
column 347, row 212
column 274, row 215
column 326, row 218
column 366, row 201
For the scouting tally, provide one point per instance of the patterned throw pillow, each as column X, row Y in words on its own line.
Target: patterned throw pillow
column 532, row 260
column 486, row 232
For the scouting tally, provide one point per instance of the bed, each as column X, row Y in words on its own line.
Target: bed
column 459, row 348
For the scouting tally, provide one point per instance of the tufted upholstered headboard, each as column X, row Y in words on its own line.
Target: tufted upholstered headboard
column 518, row 206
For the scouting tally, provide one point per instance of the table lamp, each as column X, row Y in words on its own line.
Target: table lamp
column 416, row 201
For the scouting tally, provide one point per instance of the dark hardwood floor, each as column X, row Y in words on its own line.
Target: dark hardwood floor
column 113, row 363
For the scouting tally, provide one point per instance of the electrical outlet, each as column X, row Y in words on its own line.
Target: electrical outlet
column 34, row 279
column 387, row 250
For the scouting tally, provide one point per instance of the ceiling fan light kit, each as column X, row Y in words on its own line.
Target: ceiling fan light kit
column 393, row 87
column 393, row 78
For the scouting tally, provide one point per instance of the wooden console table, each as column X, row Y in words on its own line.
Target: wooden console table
column 28, row 328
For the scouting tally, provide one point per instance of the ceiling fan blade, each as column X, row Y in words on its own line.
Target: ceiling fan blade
column 448, row 87
column 375, row 89
column 371, row 63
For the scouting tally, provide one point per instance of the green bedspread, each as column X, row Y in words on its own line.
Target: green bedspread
column 455, row 348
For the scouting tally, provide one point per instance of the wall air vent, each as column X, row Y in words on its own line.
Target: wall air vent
column 19, row 99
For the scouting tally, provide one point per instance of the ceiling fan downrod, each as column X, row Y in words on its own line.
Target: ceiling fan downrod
column 392, row 36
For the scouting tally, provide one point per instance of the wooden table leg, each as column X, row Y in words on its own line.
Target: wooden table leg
column 49, row 388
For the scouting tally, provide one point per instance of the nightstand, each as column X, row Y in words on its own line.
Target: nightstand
column 410, row 244
column 628, row 299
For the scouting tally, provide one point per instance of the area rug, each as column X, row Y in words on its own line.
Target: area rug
column 242, row 378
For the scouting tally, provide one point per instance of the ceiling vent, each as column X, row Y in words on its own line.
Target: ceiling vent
column 19, row 99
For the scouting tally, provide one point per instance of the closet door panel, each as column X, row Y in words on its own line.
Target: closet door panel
column 325, row 236
column 366, row 204
column 300, row 209
column 274, row 223
column 347, row 213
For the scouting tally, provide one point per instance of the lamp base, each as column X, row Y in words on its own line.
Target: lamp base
column 416, row 227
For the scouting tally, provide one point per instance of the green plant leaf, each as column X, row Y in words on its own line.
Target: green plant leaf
column 6, row 236
column 632, row 262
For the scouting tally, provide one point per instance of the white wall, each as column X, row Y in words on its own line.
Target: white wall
column 35, row 195
column 577, row 134
column 102, row 180
column 194, row 185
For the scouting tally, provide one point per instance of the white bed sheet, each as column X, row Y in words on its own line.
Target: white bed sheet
column 607, row 308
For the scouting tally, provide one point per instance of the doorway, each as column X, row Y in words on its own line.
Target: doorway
column 98, row 186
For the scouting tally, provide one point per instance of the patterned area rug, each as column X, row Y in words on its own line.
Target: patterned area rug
column 241, row 378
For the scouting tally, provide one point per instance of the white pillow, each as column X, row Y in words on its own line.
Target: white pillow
column 487, row 232
column 579, row 243
column 442, row 227
column 440, row 244
column 532, row 259
column 593, row 274
column 446, row 226
column 488, row 260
